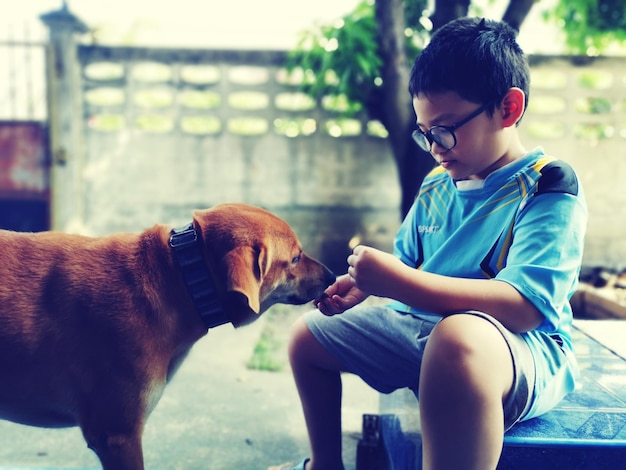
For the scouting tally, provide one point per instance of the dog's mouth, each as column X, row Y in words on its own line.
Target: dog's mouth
column 297, row 300
column 292, row 298
column 321, row 297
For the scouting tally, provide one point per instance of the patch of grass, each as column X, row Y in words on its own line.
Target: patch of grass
column 270, row 352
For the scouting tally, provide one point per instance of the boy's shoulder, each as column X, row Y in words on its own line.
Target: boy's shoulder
column 556, row 176
column 543, row 172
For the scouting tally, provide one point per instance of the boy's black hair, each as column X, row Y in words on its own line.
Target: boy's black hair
column 478, row 59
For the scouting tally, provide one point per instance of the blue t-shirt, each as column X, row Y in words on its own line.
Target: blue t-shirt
column 524, row 225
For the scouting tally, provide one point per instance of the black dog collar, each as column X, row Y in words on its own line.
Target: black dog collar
column 187, row 251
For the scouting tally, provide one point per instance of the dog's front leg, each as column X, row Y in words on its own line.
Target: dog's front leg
column 118, row 451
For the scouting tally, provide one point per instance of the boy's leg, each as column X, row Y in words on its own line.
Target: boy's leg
column 317, row 377
column 380, row 345
column 467, row 372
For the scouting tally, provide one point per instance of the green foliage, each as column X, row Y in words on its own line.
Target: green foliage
column 590, row 26
column 343, row 59
column 266, row 354
column 270, row 351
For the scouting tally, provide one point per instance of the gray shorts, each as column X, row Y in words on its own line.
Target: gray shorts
column 385, row 347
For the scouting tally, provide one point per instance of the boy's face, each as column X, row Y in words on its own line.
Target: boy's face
column 484, row 143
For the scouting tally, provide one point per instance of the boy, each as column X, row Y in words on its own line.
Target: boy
column 483, row 268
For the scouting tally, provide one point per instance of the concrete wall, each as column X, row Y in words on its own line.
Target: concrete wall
column 580, row 117
column 258, row 141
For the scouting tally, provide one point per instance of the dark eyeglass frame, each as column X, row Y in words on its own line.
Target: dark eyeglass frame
column 425, row 139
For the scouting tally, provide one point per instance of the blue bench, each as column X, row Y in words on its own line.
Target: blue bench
column 586, row 431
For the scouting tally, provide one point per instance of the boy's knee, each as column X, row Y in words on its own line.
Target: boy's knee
column 453, row 334
column 306, row 351
column 469, row 347
column 303, row 347
column 299, row 331
column 461, row 340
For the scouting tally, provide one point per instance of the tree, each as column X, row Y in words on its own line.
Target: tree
column 590, row 26
column 369, row 52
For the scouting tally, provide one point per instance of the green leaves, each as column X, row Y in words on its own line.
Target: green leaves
column 346, row 50
column 590, row 26
column 343, row 58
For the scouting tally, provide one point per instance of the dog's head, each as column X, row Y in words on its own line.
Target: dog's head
column 259, row 260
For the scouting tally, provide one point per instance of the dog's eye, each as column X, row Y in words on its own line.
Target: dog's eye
column 295, row 260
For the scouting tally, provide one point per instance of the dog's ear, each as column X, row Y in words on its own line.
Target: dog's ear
column 244, row 271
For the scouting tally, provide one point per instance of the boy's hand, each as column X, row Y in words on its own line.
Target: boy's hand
column 340, row 296
column 374, row 271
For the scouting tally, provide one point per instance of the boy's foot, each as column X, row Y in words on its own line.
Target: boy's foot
column 291, row 466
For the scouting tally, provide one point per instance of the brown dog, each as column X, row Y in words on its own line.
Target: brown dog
column 92, row 329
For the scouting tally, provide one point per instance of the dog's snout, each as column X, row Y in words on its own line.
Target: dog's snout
column 329, row 276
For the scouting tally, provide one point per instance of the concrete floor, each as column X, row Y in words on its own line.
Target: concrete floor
column 216, row 414
column 611, row 333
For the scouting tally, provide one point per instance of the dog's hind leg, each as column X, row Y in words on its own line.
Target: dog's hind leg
column 114, row 433
column 118, row 451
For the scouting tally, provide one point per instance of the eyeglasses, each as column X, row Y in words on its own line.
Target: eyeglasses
column 442, row 135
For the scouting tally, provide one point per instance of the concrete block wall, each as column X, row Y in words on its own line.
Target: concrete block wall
column 336, row 183
column 332, row 186
column 577, row 112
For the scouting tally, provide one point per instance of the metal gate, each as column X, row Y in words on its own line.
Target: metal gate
column 24, row 161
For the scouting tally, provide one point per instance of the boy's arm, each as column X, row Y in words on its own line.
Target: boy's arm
column 382, row 274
